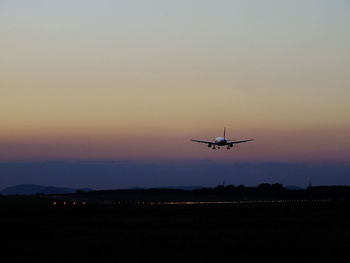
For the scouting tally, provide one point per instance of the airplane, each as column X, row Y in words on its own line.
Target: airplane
column 221, row 141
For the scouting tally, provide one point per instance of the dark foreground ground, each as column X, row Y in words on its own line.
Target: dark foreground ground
column 35, row 230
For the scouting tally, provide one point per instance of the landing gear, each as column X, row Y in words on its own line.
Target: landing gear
column 214, row 148
column 228, row 147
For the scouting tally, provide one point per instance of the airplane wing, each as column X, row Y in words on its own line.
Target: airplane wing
column 236, row 142
column 213, row 143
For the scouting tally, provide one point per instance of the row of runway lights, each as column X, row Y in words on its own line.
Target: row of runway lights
column 199, row 202
column 68, row 203
column 239, row 202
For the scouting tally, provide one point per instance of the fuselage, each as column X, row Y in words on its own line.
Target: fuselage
column 220, row 141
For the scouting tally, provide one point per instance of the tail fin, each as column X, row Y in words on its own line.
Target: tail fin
column 224, row 132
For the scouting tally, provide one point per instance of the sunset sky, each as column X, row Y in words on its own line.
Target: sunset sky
column 136, row 80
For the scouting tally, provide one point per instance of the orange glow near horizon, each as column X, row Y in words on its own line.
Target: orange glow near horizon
column 285, row 146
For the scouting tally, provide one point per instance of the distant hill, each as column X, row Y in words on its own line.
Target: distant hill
column 32, row 189
column 188, row 188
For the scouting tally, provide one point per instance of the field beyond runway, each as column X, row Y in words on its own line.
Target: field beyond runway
column 35, row 229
